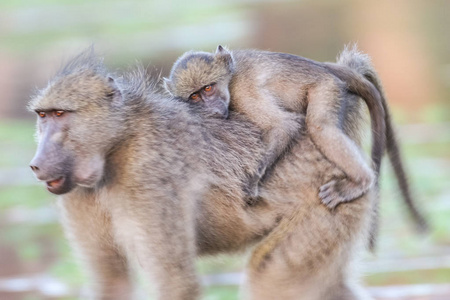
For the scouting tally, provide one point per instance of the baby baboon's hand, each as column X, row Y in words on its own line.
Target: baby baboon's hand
column 335, row 192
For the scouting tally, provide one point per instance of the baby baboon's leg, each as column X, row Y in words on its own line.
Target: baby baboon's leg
column 89, row 229
column 326, row 106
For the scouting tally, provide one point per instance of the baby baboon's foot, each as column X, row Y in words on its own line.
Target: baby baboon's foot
column 250, row 201
column 252, row 197
column 335, row 192
column 252, row 187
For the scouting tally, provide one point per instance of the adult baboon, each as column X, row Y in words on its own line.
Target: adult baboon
column 142, row 178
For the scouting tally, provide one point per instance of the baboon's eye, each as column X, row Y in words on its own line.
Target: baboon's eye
column 209, row 89
column 42, row 114
column 194, row 97
column 59, row 113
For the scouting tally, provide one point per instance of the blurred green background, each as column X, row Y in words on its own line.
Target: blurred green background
column 409, row 42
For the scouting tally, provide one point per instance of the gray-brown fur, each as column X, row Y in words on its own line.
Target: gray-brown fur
column 274, row 90
column 164, row 187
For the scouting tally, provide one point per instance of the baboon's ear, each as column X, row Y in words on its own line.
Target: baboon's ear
column 225, row 55
column 219, row 49
column 167, row 83
column 115, row 95
column 222, row 50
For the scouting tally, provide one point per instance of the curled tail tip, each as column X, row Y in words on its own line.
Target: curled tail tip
column 418, row 217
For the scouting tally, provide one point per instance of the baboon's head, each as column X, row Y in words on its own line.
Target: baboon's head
column 78, row 122
column 202, row 78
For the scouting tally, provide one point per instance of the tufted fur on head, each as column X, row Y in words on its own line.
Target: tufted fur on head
column 196, row 69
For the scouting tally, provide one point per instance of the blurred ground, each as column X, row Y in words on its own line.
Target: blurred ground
column 409, row 42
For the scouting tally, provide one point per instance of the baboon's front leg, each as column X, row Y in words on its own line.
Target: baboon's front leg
column 89, row 230
column 159, row 236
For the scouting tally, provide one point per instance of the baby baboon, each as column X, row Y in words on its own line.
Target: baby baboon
column 273, row 90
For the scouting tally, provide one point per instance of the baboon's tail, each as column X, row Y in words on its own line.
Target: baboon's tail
column 361, row 63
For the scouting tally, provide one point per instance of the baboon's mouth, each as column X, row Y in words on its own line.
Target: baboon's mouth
column 54, row 185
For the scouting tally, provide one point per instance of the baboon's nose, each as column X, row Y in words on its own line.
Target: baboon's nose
column 35, row 164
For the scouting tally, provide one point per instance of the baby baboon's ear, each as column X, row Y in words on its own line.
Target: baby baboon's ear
column 225, row 55
column 115, row 94
column 222, row 51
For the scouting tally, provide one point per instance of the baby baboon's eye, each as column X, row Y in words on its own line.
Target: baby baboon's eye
column 59, row 113
column 42, row 114
column 195, row 97
column 209, row 89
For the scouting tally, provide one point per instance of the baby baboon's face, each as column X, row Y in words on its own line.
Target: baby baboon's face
column 215, row 97
column 202, row 78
